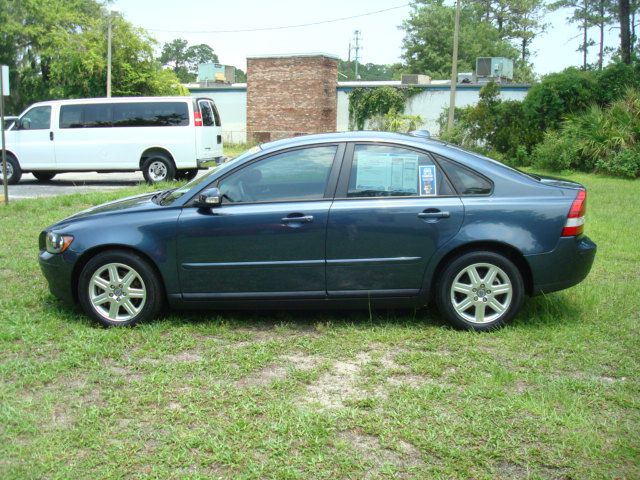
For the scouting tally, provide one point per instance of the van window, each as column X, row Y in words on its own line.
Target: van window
column 150, row 114
column 85, row 116
column 38, row 118
column 216, row 115
column 207, row 113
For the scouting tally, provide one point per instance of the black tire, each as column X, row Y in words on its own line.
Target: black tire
column 147, row 281
column 156, row 164
column 186, row 174
column 13, row 169
column 44, row 176
column 479, row 296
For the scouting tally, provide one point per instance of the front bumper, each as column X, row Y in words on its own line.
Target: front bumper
column 567, row 265
column 58, row 271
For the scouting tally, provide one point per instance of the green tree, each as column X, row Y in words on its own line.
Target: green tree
column 519, row 21
column 184, row 59
column 58, row 49
column 429, row 38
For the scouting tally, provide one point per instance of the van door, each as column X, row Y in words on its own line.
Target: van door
column 207, row 133
column 32, row 139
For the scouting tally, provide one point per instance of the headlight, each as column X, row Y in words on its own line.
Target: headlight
column 56, row 243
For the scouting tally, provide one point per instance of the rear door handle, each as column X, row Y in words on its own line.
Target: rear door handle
column 298, row 219
column 51, row 136
column 434, row 214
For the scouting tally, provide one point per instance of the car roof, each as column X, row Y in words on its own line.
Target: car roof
column 355, row 136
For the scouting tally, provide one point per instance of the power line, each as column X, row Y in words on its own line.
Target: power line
column 264, row 29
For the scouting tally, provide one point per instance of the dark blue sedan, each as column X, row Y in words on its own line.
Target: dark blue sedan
column 355, row 219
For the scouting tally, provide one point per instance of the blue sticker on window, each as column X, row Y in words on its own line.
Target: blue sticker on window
column 427, row 180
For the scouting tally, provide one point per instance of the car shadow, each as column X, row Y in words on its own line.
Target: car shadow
column 83, row 183
column 536, row 313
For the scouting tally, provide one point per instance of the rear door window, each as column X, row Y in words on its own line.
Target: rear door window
column 207, row 113
column 389, row 171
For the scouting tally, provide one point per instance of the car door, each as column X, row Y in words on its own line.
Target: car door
column 393, row 209
column 267, row 239
column 207, row 134
column 33, row 139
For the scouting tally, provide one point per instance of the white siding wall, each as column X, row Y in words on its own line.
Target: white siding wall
column 232, row 105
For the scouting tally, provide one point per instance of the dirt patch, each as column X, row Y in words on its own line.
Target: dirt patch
column 409, row 380
column 128, row 374
column 338, row 385
column 186, row 356
column 512, row 471
column 405, row 457
column 279, row 370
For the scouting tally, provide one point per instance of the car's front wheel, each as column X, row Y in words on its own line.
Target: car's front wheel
column 119, row 288
column 480, row 291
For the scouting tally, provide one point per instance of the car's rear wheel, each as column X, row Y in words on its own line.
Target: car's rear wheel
column 480, row 291
column 14, row 172
column 186, row 174
column 119, row 288
column 44, row 176
column 158, row 168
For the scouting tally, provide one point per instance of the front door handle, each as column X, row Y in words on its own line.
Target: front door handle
column 433, row 214
column 298, row 218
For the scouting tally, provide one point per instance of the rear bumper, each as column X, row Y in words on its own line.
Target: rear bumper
column 58, row 273
column 567, row 265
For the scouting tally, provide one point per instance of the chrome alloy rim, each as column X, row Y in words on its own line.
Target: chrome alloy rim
column 481, row 293
column 117, row 292
column 157, row 171
column 9, row 171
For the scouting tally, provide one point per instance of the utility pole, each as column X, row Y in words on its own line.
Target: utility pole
column 357, row 48
column 349, row 61
column 109, row 21
column 4, row 70
column 454, row 68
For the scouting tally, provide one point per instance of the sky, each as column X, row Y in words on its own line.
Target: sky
column 381, row 38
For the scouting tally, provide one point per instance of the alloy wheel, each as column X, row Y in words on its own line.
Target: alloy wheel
column 117, row 292
column 481, row 293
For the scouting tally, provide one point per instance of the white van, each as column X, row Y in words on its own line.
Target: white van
column 165, row 137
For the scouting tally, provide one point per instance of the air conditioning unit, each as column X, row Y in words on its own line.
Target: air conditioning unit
column 494, row 68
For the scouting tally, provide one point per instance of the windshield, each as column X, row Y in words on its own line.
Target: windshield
column 172, row 195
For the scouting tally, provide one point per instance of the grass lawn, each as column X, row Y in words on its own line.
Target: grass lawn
column 324, row 394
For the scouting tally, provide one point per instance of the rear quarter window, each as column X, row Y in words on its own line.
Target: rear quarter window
column 465, row 180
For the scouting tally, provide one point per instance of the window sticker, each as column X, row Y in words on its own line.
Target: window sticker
column 427, row 180
column 386, row 172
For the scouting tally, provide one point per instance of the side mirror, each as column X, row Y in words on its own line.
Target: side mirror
column 210, row 198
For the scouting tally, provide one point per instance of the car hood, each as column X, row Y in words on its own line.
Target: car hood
column 130, row 204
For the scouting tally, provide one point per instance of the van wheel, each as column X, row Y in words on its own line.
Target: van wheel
column 480, row 291
column 158, row 168
column 14, row 172
column 44, row 176
column 186, row 174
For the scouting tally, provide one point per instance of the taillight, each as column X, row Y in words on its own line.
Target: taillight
column 197, row 119
column 575, row 219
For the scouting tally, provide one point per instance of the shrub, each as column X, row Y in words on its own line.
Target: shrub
column 365, row 103
column 600, row 139
column 549, row 102
column 395, row 122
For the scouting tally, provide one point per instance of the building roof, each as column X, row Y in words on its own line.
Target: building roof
column 294, row 55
